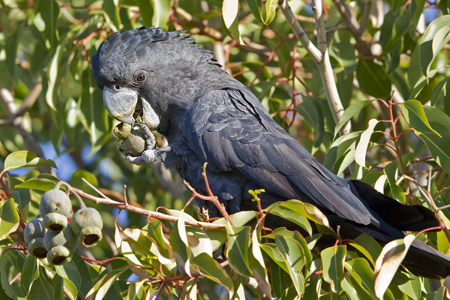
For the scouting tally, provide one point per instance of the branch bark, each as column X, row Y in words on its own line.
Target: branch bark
column 319, row 55
column 354, row 27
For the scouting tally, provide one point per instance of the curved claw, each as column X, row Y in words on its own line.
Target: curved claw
column 150, row 140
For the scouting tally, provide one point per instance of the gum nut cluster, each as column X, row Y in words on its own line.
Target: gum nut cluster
column 55, row 208
column 133, row 139
column 60, row 245
column 34, row 234
column 52, row 237
column 87, row 224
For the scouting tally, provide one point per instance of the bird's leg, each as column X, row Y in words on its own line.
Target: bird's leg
column 151, row 154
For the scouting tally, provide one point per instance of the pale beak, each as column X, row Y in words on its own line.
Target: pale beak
column 120, row 104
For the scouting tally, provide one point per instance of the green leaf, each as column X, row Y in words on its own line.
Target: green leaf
column 210, row 268
column 415, row 115
column 46, row 21
column 333, row 266
column 272, row 251
column 154, row 231
column 298, row 212
column 94, row 116
column 41, row 184
column 51, row 93
column 161, row 14
column 373, row 79
column 389, row 261
column 295, row 235
column 293, row 255
column 20, row 159
column 416, row 11
column 110, row 7
column 437, row 90
column 30, row 273
column 230, row 22
column 363, row 144
column 146, row 11
column 42, row 288
column 76, row 180
column 255, row 8
column 9, row 218
column 78, row 273
column 237, row 249
column 62, row 271
column 435, row 138
column 434, row 38
column 350, row 112
column 392, row 171
column 100, row 289
column 258, row 266
column 6, row 292
column 271, row 9
column 367, row 246
column 239, row 219
column 360, row 269
column 339, row 148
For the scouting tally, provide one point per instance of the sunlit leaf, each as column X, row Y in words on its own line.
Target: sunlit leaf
column 363, row 144
column 271, row 9
column 9, row 218
column 434, row 38
column 42, row 288
column 41, row 184
column 350, row 112
column 237, row 249
column 333, row 265
column 30, row 273
column 20, row 159
column 389, row 261
column 209, row 267
column 293, row 255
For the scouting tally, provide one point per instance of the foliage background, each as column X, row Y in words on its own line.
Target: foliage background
column 52, row 107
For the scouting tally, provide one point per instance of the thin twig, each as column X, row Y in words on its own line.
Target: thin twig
column 145, row 212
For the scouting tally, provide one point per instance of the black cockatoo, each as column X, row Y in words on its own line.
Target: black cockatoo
column 206, row 115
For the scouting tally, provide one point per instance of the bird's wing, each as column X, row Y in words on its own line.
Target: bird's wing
column 232, row 131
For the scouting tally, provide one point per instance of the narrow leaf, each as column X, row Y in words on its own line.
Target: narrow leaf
column 9, row 218
column 20, row 159
column 361, row 148
column 432, row 42
column 237, row 249
column 210, row 268
column 350, row 112
column 333, row 266
column 389, row 261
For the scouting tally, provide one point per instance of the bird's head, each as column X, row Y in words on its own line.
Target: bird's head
column 151, row 73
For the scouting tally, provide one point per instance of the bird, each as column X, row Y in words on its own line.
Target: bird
column 177, row 88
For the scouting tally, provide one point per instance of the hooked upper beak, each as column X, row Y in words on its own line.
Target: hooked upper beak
column 120, row 104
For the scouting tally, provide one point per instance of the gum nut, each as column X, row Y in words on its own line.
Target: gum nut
column 122, row 131
column 35, row 228
column 55, row 201
column 86, row 217
column 134, row 144
column 64, row 238
column 59, row 255
column 90, row 236
column 36, row 248
column 55, row 222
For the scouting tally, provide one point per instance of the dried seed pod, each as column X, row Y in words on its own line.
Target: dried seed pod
column 55, row 207
column 60, row 246
column 87, row 224
column 34, row 234
column 134, row 144
column 122, row 131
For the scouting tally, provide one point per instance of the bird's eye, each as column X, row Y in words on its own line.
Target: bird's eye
column 117, row 87
column 140, row 77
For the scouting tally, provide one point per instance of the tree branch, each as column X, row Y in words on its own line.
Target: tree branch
column 147, row 213
column 354, row 27
column 319, row 55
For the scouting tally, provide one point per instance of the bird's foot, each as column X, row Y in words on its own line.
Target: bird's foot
column 148, row 156
column 150, row 140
